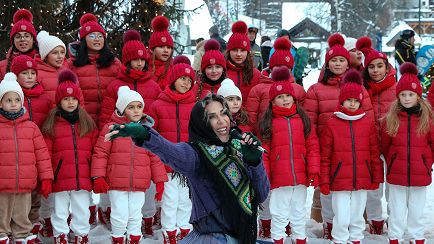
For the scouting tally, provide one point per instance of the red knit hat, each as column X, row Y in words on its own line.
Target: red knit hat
column 364, row 44
column 89, row 23
column 408, row 80
column 23, row 21
column 133, row 47
column 282, row 53
column 181, row 67
column 160, row 36
column 21, row 63
column 212, row 55
column 351, row 87
column 68, row 86
column 239, row 38
column 281, row 84
column 336, row 44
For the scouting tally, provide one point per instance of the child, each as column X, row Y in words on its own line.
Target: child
column 126, row 170
column 70, row 134
column 350, row 161
column 161, row 48
column 239, row 61
column 380, row 81
column 292, row 163
column 407, row 140
column 52, row 52
column 24, row 160
column 213, row 70
column 233, row 97
column 356, row 55
column 171, row 113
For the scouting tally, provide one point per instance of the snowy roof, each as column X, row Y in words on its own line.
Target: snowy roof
column 394, row 34
column 294, row 12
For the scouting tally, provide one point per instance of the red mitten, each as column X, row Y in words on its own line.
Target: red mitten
column 313, row 180
column 159, row 191
column 100, row 185
column 374, row 186
column 46, row 188
column 325, row 189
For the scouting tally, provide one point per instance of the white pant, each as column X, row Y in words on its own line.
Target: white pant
column 46, row 207
column 348, row 222
column 149, row 207
column 78, row 202
column 406, row 203
column 374, row 206
column 287, row 204
column 104, row 201
column 126, row 213
column 175, row 206
column 264, row 213
column 326, row 207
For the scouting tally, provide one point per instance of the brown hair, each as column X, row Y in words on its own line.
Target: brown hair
column 86, row 123
column 244, row 117
column 248, row 66
column 367, row 78
column 166, row 64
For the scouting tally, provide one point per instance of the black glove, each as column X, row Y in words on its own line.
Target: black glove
column 137, row 131
column 252, row 156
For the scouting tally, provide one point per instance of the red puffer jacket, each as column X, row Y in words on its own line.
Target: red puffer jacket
column 93, row 83
column 4, row 62
column 292, row 157
column 321, row 101
column 125, row 166
column 37, row 104
column 145, row 86
column 409, row 157
column 171, row 113
column 70, row 156
column 236, row 74
column 350, row 158
column 259, row 99
column 201, row 89
column 159, row 74
column 24, row 158
column 48, row 77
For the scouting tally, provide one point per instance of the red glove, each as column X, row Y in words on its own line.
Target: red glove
column 374, row 186
column 46, row 188
column 160, row 189
column 313, row 180
column 100, row 185
column 325, row 189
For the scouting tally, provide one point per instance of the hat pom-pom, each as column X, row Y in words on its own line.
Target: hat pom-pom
column 123, row 89
column 67, row 75
column 42, row 35
column 281, row 73
column 282, row 44
column 353, row 76
column 132, row 35
column 160, row 23
column 211, row 44
column 23, row 14
column 336, row 39
column 364, row 44
column 408, row 67
column 10, row 77
column 239, row 27
column 181, row 59
column 87, row 18
column 227, row 82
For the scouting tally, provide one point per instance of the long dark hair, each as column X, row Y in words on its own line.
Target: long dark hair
column 105, row 59
column 15, row 49
column 327, row 75
column 248, row 68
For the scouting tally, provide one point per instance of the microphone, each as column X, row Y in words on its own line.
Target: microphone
column 237, row 135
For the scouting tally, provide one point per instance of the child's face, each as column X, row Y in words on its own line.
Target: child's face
column 56, row 57
column 214, row 72
column 183, row 84
column 69, row 104
column 134, row 111
column 138, row 64
column 355, row 57
column 338, row 65
column 234, row 103
column 283, row 100
column 238, row 55
column 408, row 98
column 27, row 78
column 163, row 53
column 351, row 104
column 377, row 69
column 11, row 102
column 23, row 41
column 95, row 42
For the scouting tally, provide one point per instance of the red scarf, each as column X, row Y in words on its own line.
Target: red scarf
column 93, row 57
column 334, row 81
column 285, row 112
column 342, row 109
column 175, row 96
column 134, row 74
column 35, row 91
column 160, row 66
column 378, row 87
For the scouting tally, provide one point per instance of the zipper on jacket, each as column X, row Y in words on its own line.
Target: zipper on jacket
column 239, row 78
column 30, row 108
column 408, row 148
column 17, row 156
column 353, row 149
column 98, row 105
column 132, row 165
column 135, row 85
column 56, row 173
column 178, row 129
column 291, row 151
column 74, row 140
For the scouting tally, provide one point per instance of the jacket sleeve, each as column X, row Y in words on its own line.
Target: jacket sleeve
column 260, row 181
column 367, row 105
column 43, row 159
column 252, row 106
column 49, row 142
column 154, row 114
column 430, row 96
column 313, row 153
column 311, row 105
column 157, row 169
column 386, row 140
column 376, row 162
column 108, row 105
column 400, row 55
column 101, row 155
column 266, row 157
column 326, row 154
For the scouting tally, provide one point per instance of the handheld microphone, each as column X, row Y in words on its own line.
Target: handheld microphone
column 236, row 135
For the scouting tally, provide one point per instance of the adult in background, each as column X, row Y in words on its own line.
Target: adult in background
column 404, row 50
column 255, row 50
column 266, row 47
column 214, row 34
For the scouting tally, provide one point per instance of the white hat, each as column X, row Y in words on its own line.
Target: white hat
column 47, row 43
column 10, row 84
column 228, row 88
column 125, row 97
column 350, row 43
